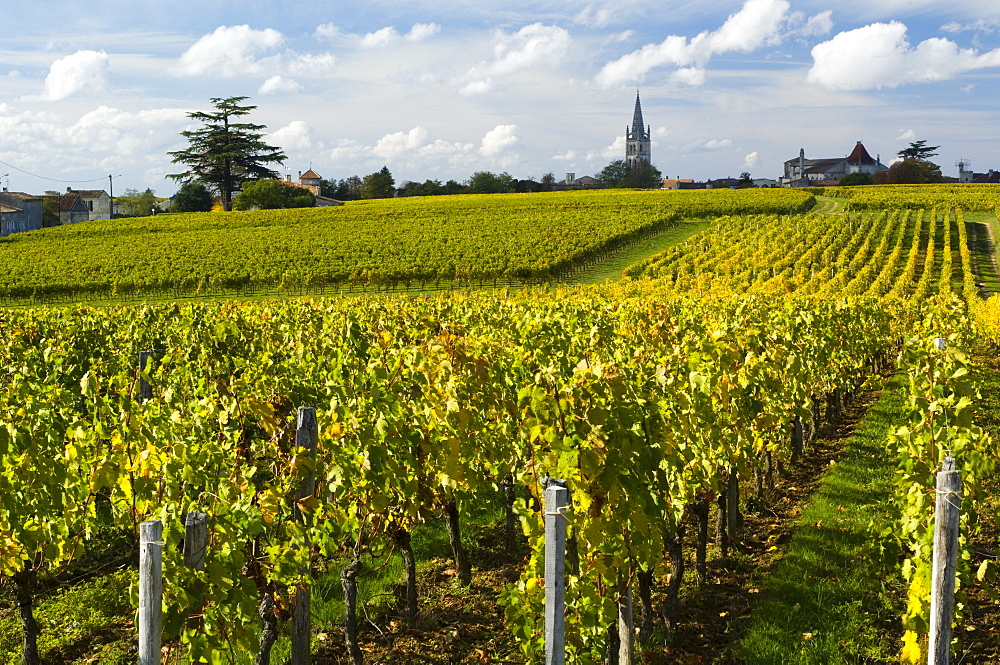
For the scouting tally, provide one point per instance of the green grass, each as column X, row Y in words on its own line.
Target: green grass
column 90, row 622
column 611, row 270
column 828, row 599
column 985, row 254
column 827, row 205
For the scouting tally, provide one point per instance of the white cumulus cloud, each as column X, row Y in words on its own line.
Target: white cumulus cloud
column 533, row 45
column 757, row 23
column 83, row 71
column 498, row 139
column 329, row 31
column 880, row 56
column 906, row 135
column 296, row 135
column 750, row 160
column 382, row 37
column 421, row 31
column 614, row 151
column 393, row 145
column 310, row 65
column 278, row 84
column 229, row 51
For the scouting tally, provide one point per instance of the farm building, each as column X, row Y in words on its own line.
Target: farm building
column 802, row 172
column 97, row 201
column 19, row 212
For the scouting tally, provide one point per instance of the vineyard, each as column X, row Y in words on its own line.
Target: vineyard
column 394, row 244
column 669, row 404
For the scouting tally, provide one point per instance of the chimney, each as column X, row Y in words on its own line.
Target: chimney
column 69, row 189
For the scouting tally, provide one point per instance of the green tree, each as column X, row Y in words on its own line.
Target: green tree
column 485, row 182
column 912, row 171
column 224, row 154
column 619, row 174
column 50, row 212
column 345, row 189
column 746, row 180
column 453, row 187
column 614, row 173
column 918, row 150
column 269, row 194
column 856, row 178
column 137, row 204
column 548, row 182
column 193, row 196
column 378, row 185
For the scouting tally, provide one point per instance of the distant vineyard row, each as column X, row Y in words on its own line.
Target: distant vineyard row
column 898, row 253
column 412, row 241
column 971, row 198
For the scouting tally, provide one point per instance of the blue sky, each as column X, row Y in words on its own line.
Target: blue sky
column 443, row 89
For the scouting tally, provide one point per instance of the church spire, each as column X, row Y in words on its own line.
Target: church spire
column 638, row 126
column 637, row 138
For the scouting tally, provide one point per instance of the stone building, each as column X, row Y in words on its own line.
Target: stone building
column 73, row 208
column 637, row 139
column 19, row 212
column 98, row 202
column 802, row 172
column 312, row 181
column 968, row 176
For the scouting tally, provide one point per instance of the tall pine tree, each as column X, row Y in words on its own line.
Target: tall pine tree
column 224, row 154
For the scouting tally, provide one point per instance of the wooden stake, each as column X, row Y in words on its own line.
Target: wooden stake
column 150, row 591
column 306, row 436
column 556, row 500
column 946, row 528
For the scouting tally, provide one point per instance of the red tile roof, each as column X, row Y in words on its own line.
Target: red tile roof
column 860, row 155
column 69, row 201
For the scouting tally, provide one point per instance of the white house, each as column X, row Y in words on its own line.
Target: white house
column 97, row 201
column 802, row 172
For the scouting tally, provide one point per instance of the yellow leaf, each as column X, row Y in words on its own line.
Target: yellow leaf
column 911, row 649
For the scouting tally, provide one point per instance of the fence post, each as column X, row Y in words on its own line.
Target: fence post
column 145, row 390
column 195, row 540
column 306, row 436
column 150, row 591
column 797, row 439
column 556, row 500
column 946, row 527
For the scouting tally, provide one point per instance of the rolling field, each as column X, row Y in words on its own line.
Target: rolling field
column 711, row 386
column 366, row 245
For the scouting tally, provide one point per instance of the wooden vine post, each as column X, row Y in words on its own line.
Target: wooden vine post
column 145, row 390
column 150, row 591
column 946, row 528
column 195, row 540
column 306, row 436
column 556, row 500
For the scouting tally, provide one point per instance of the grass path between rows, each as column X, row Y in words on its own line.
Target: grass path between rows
column 826, row 600
column 611, row 270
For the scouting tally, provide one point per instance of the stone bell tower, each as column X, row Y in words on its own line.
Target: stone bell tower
column 637, row 140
